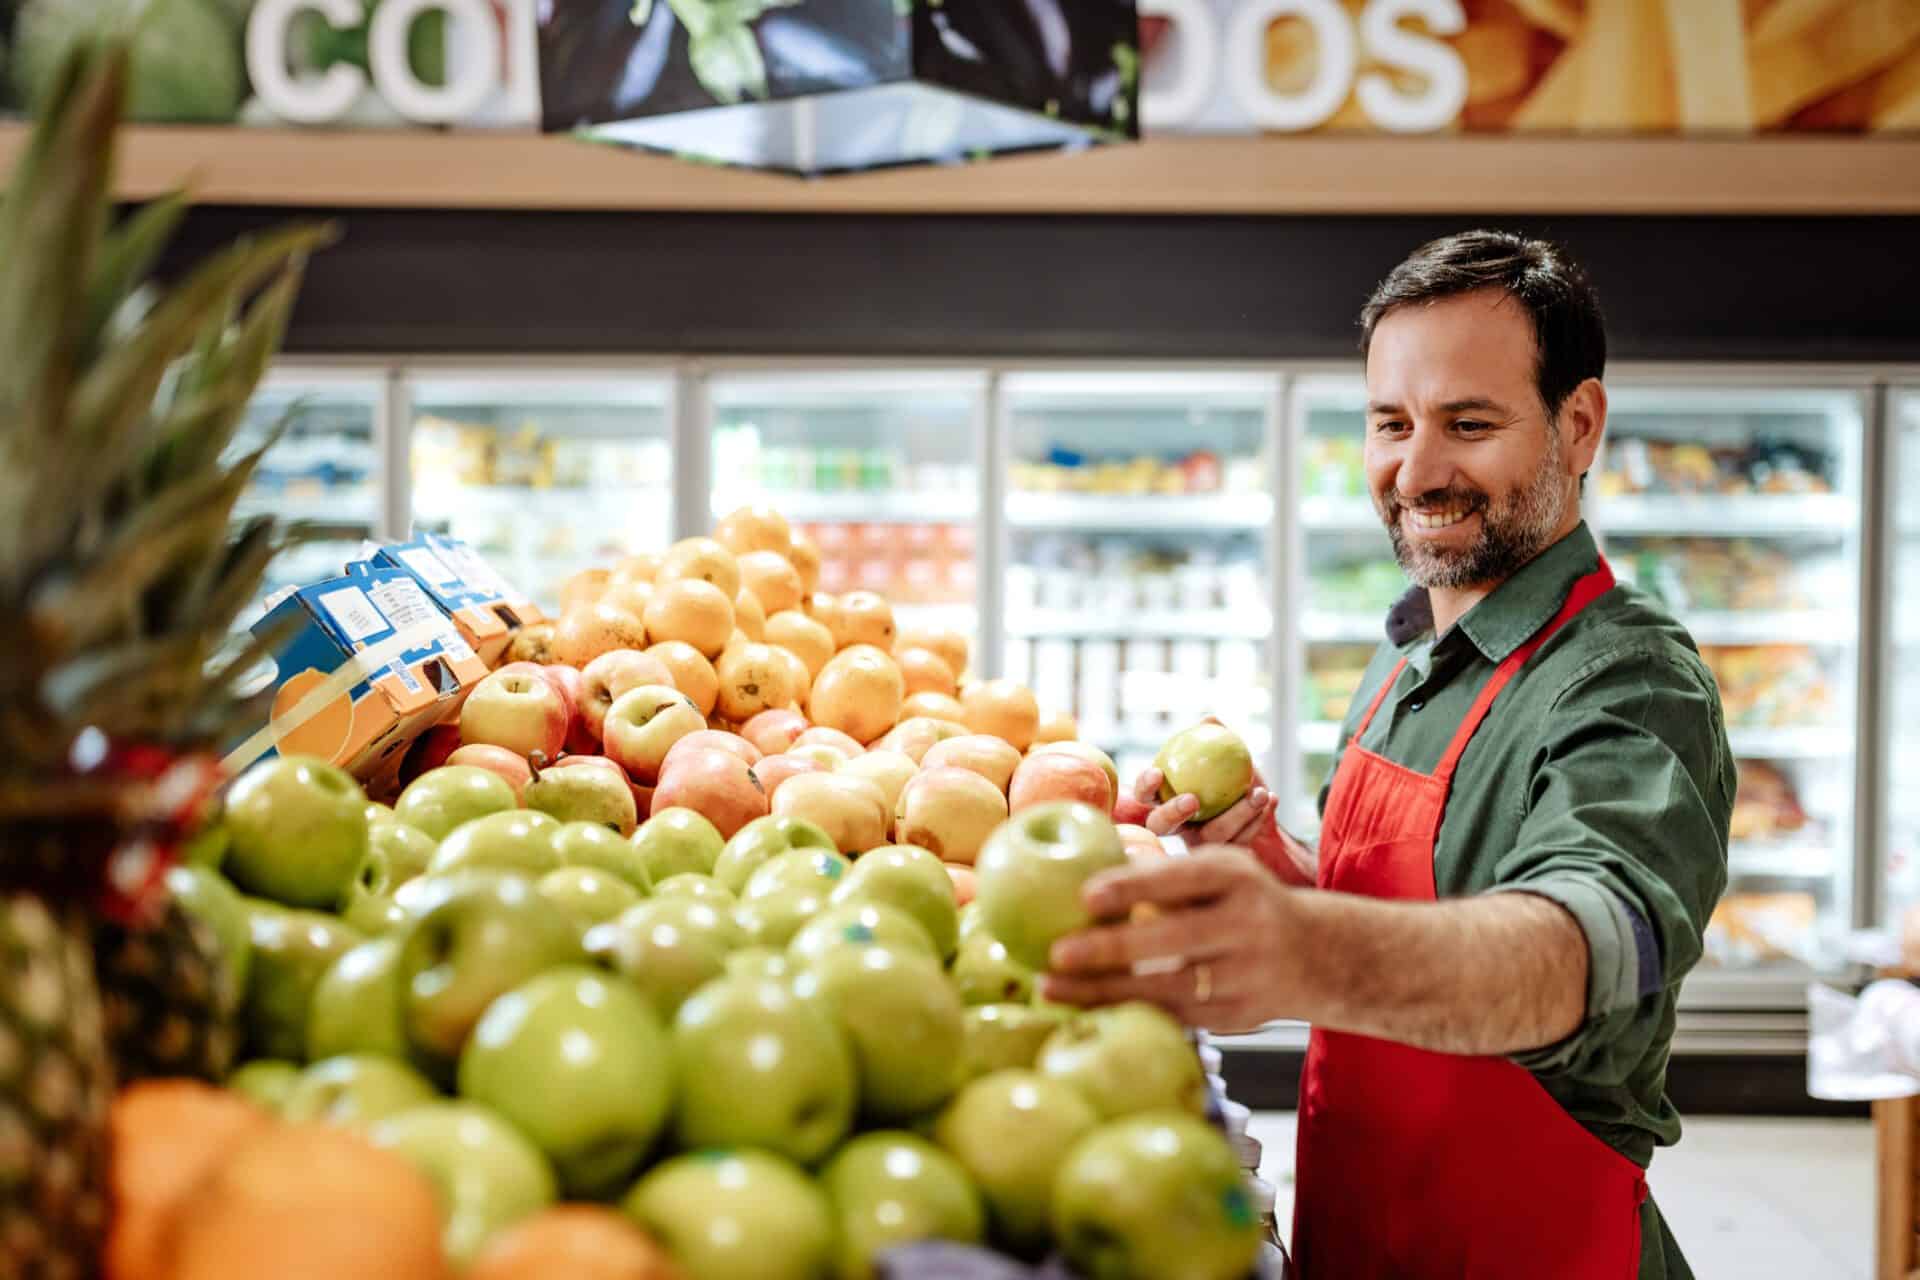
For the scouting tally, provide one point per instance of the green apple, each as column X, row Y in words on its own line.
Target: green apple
column 208, row 846
column 1127, row 1058
column 760, row 841
column 691, row 884
column 299, row 830
column 915, row 881
column 206, row 896
column 736, row 1215
column 1208, row 761
column 376, row 913
column 761, row 962
column 585, row 844
column 676, row 840
column 758, row 1066
column 580, row 794
column 1003, row 1036
column 355, row 1090
column 985, row 974
column 1011, row 1131
column 773, row 921
column 1157, row 1194
column 485, row 939
column 521, row 841
column 377, row 813
column 904, row 1021
column 578, row 1061
column 292, row 951
column 267, row 1081
column 970, row 921
column 1030, row 873
column 358, row 1005
column 486, row 1174
column 668, row 948
column 816, row 871
column 860, row 924
column 408, row 850
column 589, row 897
column 890, row 1188
column 451, row 796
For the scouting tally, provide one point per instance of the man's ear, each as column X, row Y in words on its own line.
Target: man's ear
column 1583, row 420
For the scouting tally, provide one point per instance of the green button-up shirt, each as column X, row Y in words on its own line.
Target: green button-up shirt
column 1603, row 781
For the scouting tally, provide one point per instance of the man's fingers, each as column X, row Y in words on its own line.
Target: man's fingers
column 1117, row 948
column 1177, row 992
column 1228, row 827
column 1146, row 787
column 1199, row 877
column 1173, row 815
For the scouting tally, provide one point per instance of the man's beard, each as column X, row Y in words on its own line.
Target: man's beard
column 1511, row 533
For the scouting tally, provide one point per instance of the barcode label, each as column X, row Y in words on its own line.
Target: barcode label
column 353, row 613
column 429, row 566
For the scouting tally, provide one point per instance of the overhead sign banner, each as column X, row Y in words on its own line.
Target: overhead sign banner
column 1571, row 67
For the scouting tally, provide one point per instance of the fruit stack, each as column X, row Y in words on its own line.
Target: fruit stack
column 707, row 940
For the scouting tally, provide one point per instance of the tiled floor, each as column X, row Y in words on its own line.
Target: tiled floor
column 1744, row 1197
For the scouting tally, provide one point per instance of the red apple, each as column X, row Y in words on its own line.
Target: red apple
column 545, row 671
column 713, row 740
column 821, row 735
column 1056, row 776
column 853, row 811
column 521, row 711
column 496, row 760
column 718, row 785
column 578, row 738
column 915, row 737
column 963, row 883
column 986, row 755
column 429, row 751
column 1142, row 845
column 772, row 732
column 776, row 769
column 612, row 674
column 949, row 810
column 643, row 724
column 827, row 757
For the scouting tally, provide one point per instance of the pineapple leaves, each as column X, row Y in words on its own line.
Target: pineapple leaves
column 128, row 256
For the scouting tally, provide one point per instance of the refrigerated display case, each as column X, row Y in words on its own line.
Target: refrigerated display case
column 542, row 472
column 1900, row 650
column 881, row 469
column 1137, row 511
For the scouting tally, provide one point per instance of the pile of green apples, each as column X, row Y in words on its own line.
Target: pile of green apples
column 779, row 1061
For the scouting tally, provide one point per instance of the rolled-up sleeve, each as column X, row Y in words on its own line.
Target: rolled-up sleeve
column 1625, row 826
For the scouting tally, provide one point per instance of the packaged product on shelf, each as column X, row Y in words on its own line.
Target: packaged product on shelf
column 1775, row 686
column 1334, row 673
column 1765, row 806
column 1750, row 928
column 1639, row 465
column 1333, row 467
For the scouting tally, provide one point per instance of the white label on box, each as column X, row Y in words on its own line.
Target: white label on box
column 429, row 566
column 408, row 606
column 355, row 614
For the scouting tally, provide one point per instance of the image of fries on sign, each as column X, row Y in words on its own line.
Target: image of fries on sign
column 1566, row 66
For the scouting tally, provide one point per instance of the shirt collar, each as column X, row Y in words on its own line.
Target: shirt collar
column 1515, row 610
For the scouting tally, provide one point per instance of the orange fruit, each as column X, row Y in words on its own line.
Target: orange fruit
column 587, row 631
column 700, row 558
column 692, row 674
column 583, row 587
column 531, row 644
column 574, row 1242
column 754, row 528
column 825, row 610
column 807, row 639
column 644, row 567
column 167, row 1135
column 798, row 676
column 805, row 559
column 937, row 706
column 749, row 615
column 950, row 645
column 859, row 693
column 692, row 610
column 309, row 1202
column 925, row 671
column 866, row 618
column 1002, row 708
column 1057, row 726
column 768, row 575
column 752, row 679
column 633, row 597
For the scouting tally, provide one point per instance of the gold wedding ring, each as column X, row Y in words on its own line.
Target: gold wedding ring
column 1202, row 983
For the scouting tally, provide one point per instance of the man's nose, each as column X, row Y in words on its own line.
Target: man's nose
column 1425, row 464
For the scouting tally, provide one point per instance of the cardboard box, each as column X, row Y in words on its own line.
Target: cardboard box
column 486, row 608
column 373, row 663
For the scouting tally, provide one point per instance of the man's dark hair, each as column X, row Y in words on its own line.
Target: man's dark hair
column 1569, row 337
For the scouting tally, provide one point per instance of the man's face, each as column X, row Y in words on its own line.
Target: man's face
column 1470, row 478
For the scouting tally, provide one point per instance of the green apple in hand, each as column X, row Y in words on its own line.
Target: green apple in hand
column 1004, row 1036
column 579, row 1062
column 691, row 884
column 1011, row 1131
column 668, row 948
column 292, row 951
column 205, row 894
column 903, row 1019
column 1127, row 1058
column 588, row 897
column 1208, row 761
column 675, row 840
column 759, row 1067
column 1155, row 1195
column 890, row 1188
column 298, row 828
column 451, row 796
column 736, row 1215
column 860, row 924
column 355, row 1090
column 486, row 938
column 984, row 973
column 760, row 841
column 912, row 879
column 358, row 1006
column 267, row 1081
column 521, row 840
column 1030, row 873
column 587, row 844
column 486, row 1174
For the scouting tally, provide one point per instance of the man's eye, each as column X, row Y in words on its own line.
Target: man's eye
column 1470, row 425
column 1389, row 426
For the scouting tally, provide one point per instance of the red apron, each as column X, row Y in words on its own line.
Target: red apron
column 1419, row 1164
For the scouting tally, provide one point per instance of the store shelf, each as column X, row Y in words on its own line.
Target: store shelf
column 1319, row 737
column 1782, row 861
column 857, row 507
column 1344, row 628
column 1211, row 624
column 1832, row 630
column 1139, row 512
column 1726, row 516
column 1811, row 743
column 469, row 500
column 1340, row 515
column 355, row 509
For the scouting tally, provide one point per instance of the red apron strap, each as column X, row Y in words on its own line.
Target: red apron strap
column 1584, row 593
column 1378, row 698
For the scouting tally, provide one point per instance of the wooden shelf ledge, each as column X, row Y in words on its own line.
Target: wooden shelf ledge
column 1164, row 176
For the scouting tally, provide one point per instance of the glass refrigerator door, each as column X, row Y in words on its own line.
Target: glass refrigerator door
column 324, row 472
column 543, row 473
column 1348, row 578
column 879, row 469
column 1902, row 700
column 1740, row 509
column 1138, row 510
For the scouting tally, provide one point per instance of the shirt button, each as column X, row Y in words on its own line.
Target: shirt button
column 1416, row 704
